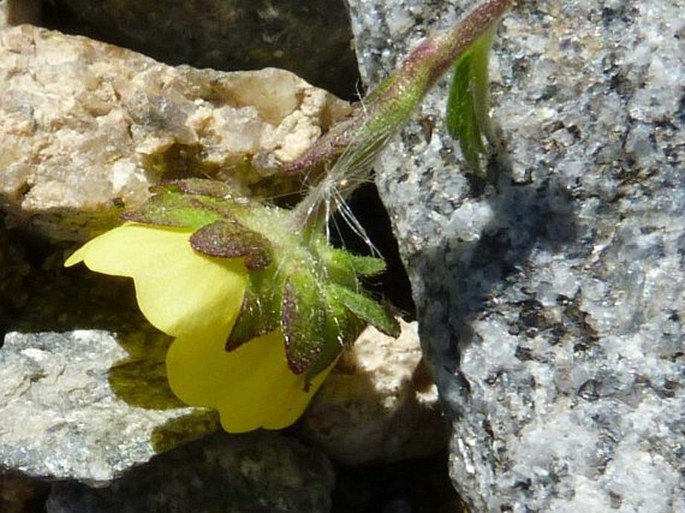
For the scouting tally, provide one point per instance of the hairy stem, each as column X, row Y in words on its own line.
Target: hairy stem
column 358, row 141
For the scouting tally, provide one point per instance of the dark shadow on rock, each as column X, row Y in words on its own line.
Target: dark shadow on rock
column 462, row 277
column 21, row 494
column 54, row 298
column 312, row 39
column 257, row 472
column 418, row 485
column 141, row 379
column 182, row 430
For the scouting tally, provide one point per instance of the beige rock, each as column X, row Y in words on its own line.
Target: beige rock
column 379, row 404
column 87, row 127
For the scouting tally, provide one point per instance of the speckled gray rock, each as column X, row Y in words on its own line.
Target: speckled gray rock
column 252, row 473
column 88, row 406
column 551, row 296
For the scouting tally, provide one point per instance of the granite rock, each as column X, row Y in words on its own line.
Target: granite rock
column 251, row 473
column 550, row 292
column 86, row 127
column 88, row 405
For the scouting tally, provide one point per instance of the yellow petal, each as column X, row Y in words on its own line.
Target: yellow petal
column 251, row 387
column 178, row 290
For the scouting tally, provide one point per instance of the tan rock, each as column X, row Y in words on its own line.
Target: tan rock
column 87, row 127
column 379, row 404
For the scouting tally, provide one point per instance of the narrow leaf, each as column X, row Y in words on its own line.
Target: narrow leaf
column 366, row 309
column 468, row 103
column 344, row 267
column 341, row 329
column 367, row 266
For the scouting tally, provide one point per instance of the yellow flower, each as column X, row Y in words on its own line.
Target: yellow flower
column 196, row 298
column 251, row 386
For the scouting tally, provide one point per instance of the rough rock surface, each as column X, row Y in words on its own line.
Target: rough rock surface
column 243, row 474
column 551, row 295
column 379, row 404
column 91, row 404
column 86, row 127
column 79, row 406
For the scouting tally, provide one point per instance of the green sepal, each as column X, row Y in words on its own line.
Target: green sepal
column 303, row 321
column 343, row 267
column 172, row 209
column 337, row 264
column 467, row 118
column 230, row 239
column 171, row 206
column 260, row 312
column 367, row 265
column 341, row 329
column 259, row 315
column 366, row 309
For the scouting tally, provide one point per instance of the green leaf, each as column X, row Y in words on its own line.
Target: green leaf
column 343, row 267
column 366, row 309
column 172, row 209
column 468, row 103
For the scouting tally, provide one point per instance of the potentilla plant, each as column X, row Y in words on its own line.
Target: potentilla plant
column 260, row 304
